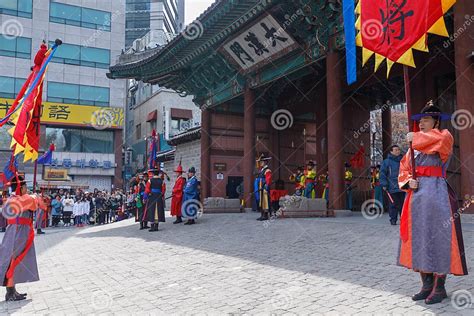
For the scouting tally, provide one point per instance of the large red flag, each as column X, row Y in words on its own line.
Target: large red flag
column 25, row 133
column 358, row 160
column 390, row 29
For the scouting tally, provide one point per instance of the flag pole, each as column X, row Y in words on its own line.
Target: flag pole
column 34, row 176
column 406, row 79
column 304, row 146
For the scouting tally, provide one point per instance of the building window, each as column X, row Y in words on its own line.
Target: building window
column 19, row 47
column 81, row 140
column 9, row 88
column 179, row 125
column 138, row 131
column 78, row 16
column 137, row 5
column 82, row 56
column 21, row 8
column 78, row 94
column 5, row 138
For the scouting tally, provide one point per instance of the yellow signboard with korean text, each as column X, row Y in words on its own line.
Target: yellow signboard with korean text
column 75, row 115
column 55, row 174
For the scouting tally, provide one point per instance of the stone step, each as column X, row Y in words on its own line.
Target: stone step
column 222, row 211
column 303, row 214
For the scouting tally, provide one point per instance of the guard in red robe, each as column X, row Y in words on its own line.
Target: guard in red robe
column 17, row 250
column 264, row 179
column 177, row 198
column 430, row 228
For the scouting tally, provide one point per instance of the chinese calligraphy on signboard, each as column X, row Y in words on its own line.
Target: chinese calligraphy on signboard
column 263, row 40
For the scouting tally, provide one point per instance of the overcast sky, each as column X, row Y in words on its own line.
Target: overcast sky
column 194, row 8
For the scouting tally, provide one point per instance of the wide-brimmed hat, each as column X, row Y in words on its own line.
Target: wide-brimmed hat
column 179, row 169
column 262, row 157
column 311, row 163
column 431, row 110
column 347, row 165
column 192, row 170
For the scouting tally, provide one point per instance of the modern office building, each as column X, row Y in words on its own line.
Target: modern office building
column 143, row 16
column 76, row 89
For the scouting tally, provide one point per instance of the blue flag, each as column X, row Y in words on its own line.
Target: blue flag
column 350, row 34
column 46, row 159
column 10, row 169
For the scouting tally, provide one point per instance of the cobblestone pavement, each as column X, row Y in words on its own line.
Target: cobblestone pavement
column 232, row 264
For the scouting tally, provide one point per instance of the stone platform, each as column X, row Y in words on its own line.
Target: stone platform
column 299, row 207
column 215, row 205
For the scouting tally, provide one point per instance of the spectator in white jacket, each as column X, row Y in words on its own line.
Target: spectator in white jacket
column 68, row 209
column 86, row 208
column 77, row 212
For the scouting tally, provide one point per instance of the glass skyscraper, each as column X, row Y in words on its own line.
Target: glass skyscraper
column 143, row 16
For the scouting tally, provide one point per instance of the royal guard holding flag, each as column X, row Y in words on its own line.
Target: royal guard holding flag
column 154, row 209
column 140, row 200
column 41, row 215
column 310, row 180
column 375, row 183
column 264, row 178
column 178, row 191
column 17, row 251
column 298, row 178
column 430, row 229
column 348, row 185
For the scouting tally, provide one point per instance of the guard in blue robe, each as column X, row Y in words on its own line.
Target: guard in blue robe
column 191, row 199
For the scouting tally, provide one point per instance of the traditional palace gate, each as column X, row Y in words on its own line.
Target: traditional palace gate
column 246, row 61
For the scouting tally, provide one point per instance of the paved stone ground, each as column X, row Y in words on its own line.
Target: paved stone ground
column 231, row 264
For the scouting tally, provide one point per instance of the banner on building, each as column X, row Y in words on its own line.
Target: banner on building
column 74, row 114
column 55, row 174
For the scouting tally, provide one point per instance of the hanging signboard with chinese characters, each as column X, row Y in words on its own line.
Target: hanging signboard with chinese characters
column 75, row 115
column 265, row 41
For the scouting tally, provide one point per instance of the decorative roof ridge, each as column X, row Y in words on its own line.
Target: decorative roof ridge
column 191, row 134
column 256, row 8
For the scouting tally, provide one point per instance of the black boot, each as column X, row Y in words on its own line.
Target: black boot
column 22, row 294
column 145, row 225
column 438, row 294
column 261, row 218
column 142, row 227
column 428, row 282
column 2, row 230
column 13, row 296
column 178, row 220
column 39, row 231
column 154, row 228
